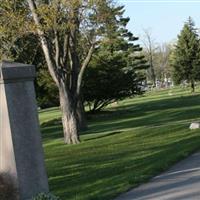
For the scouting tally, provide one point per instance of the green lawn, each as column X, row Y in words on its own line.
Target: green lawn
column 125, row 145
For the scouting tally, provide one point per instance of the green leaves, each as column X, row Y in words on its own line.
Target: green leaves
column 116, row 70
column 15, row 22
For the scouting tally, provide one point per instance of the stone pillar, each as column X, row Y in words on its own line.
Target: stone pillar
column 21, row 153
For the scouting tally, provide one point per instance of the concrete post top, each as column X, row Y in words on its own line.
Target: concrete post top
column 14, row 72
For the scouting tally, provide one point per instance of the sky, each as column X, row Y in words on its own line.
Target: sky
column 163, row 18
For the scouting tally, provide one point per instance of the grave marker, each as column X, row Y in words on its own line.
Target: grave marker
column 21, row 153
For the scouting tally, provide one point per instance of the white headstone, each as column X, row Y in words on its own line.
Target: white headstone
column 194, row 125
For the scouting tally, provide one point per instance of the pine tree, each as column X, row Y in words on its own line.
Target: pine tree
column 118, row 67
column 185, row 58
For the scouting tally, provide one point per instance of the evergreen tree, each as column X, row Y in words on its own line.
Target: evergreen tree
column 118, row 67
column 185, row 57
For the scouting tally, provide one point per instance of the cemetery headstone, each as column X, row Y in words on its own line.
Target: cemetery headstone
column 21, row 152
column 194, row 125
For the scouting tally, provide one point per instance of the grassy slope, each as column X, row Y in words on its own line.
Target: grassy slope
column 124, row 146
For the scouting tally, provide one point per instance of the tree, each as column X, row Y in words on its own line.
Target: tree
column 28, row 50
column 161, row 61
column 68, row 32
column 118, row 67
column 185, row 58
column 115, row 79
column 12, row 27
column 149, row 49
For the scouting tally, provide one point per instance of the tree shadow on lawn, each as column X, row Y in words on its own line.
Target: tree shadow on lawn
column 103, row 136
column 149, row 113
column 51, row 132
column 154, row 113
column 155, row 105
column 161, row 118
column 114, row 168
column 172, row 102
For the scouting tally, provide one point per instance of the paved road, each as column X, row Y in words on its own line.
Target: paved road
column 181, row 182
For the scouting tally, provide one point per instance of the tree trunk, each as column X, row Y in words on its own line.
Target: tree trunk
column 192, row 86
column 153, row 76
column 81, row 116
column 70, row 126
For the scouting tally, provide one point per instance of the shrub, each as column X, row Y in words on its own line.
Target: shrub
column 8, row 188
column 44, row 196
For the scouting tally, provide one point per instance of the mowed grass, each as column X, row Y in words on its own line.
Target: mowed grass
column 125, row 145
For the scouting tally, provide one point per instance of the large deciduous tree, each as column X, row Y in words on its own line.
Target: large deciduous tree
column 68, row 31
column 161, row 62
column 150, row 50
column 185, row 58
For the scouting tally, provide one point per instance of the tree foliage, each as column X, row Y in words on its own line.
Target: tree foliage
column 116, row 71
column 185, row 57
